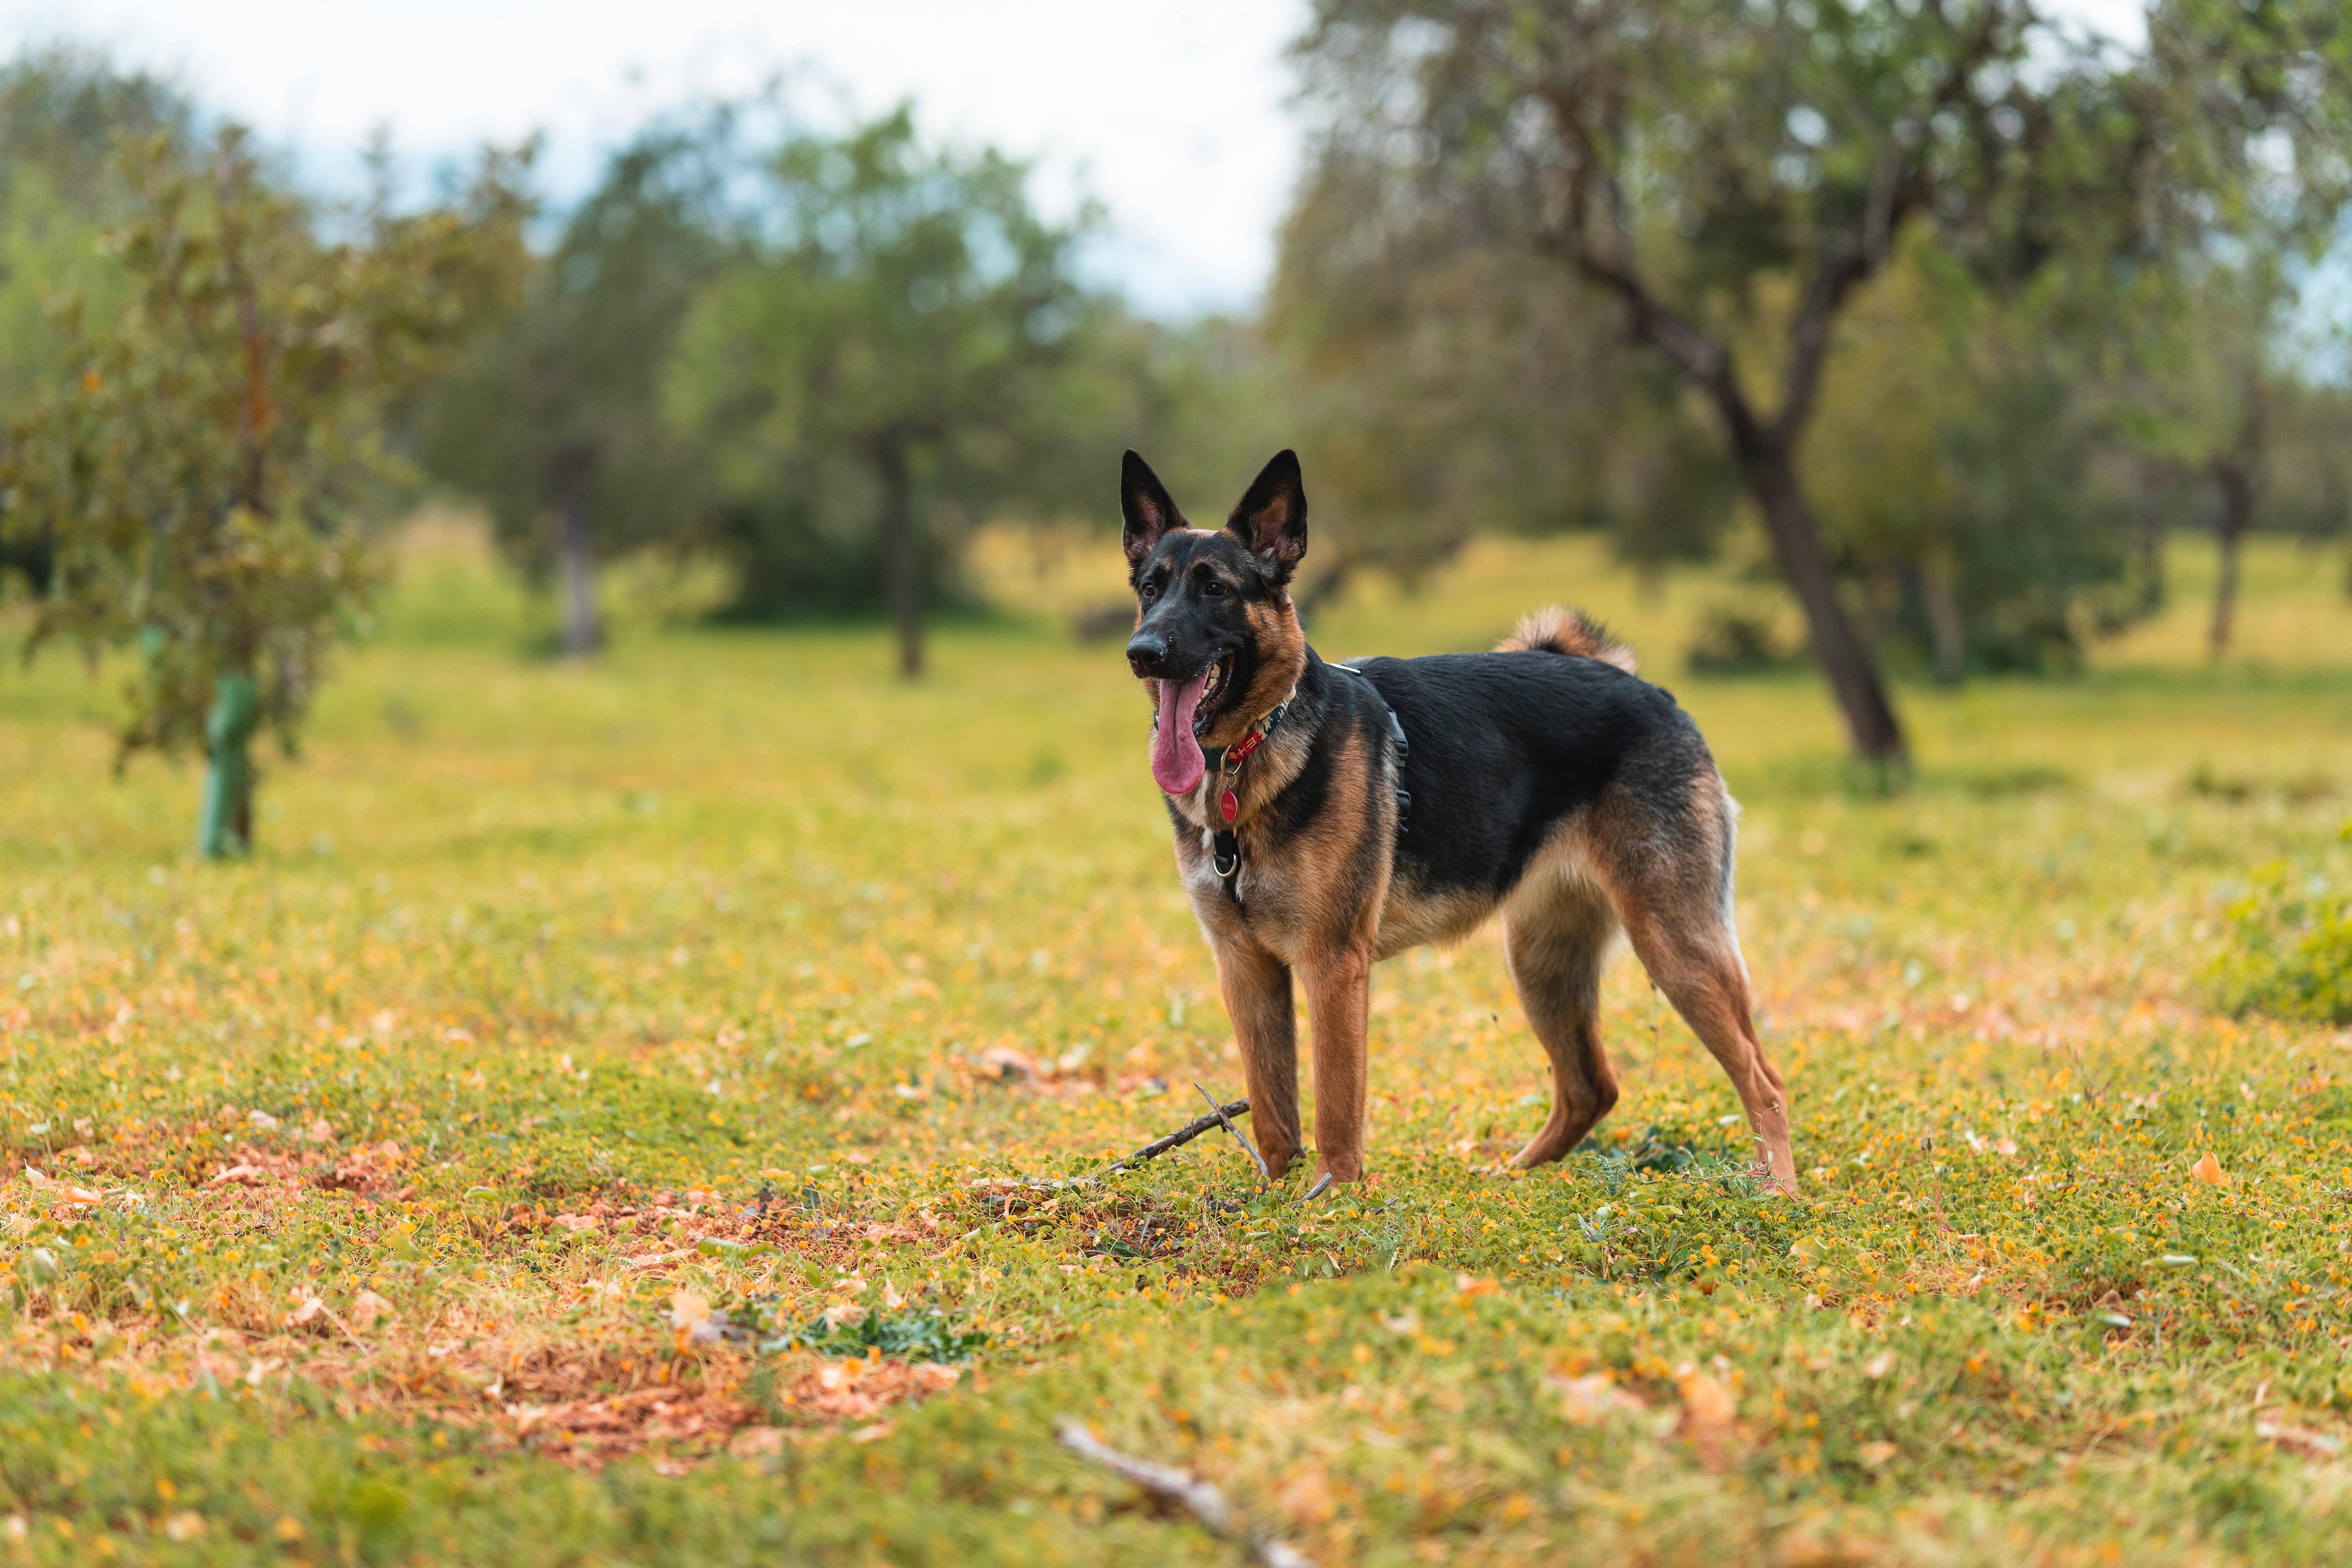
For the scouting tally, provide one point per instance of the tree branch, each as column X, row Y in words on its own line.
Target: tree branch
column 1217, row 1117
column 1809, row 337
column 1172, row 1488
column 1650, row 318
column 1898, row 185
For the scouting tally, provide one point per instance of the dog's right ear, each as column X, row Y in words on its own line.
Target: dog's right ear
column 1145, row 512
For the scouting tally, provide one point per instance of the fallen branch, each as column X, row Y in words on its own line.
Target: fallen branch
column 1255, row 1159
column 1219, row 1117
column 1180, row 1489
column 1182, row 1136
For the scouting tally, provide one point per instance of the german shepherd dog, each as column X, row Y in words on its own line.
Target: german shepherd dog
column 1328, row 817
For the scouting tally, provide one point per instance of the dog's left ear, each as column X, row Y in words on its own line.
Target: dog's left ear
column 1272, row 518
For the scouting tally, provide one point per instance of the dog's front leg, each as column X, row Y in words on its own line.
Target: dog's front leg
column 1338, row 1000
column 1257, row 998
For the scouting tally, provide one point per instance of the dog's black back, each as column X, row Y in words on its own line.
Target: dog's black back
column 1506, row 747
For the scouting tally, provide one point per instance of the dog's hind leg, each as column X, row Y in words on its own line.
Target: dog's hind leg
column 1256, row 987
column 1675, row 902
column 1556, row 933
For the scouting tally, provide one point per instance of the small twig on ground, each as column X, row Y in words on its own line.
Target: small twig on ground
column 2095, row 1088
column 1255, row 1159
column 1316, row 1191
column 1217, row 1117
column 363, row 1347
column 1180, row 1489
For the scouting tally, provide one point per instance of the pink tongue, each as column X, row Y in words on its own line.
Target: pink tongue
column 1176, row 760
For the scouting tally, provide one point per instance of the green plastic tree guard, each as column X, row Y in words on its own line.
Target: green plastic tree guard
column 226, row 827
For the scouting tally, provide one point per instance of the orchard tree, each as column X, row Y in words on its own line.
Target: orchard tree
column 2257, row 123
column 203, row 469
column 1445, row 384
column 907, row 340
column 63, row 113
column 62, row 117
column 1962, row 476
column 1729, row 175
column 2194, row 373
column 556, row 422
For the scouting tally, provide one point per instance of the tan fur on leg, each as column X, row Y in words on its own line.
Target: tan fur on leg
column 1256, row 987
column 1557, row 929
column 1698, row 968
column 1338, row 1002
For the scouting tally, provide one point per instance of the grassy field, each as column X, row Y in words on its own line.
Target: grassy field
column 570, row 1138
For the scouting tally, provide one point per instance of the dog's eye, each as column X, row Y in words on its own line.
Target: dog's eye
column 1151, row 590
column 1214, row 588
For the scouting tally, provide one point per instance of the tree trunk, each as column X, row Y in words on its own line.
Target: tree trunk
column 1766, row 453
column 582, row 632
column 1767, row 469
column 2148, row 524
column 1941, row 600
column 902, row 578
column 224, row 824
column 2229, row 524
column 575, row 551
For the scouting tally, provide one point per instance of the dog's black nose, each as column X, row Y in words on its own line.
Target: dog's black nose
column 1144, row 652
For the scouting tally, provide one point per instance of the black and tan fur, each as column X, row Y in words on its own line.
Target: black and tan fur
column 1549, row 783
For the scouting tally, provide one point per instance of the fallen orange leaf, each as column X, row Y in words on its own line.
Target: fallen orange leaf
column 2209, row 1171
column 1708, row 1403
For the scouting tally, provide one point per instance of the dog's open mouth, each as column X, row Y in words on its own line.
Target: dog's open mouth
column 1186, row 707
column 1205, row 712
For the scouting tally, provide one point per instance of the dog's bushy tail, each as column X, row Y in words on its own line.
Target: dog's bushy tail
column 1556, row 629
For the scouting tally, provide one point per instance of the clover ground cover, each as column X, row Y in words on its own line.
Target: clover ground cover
column 414, row 1192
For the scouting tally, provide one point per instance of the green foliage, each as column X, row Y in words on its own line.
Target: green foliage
column 1959, row 475
column 62, row 117
column 890, row 363
column 1447, row 386
column 554, row 421
column 910, row 1335
column 2293, row 956
column 1737, row 638
column 1884, row 249
column 201, row 472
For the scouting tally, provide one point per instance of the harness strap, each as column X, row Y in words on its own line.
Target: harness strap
column 1226, row 850
column 1396, row 734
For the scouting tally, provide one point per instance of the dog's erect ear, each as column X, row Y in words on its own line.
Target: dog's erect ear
column 1272, row 518
column 1145, row 512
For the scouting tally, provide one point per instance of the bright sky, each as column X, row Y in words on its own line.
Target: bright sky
column 1172, row 111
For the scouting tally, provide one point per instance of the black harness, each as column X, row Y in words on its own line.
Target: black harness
column 1226, row 857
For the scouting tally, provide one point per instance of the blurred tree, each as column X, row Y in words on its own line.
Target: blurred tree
column 556, row 422
column 2190, row 389
column 1729, row 175
column 908, row 341
column 2308, row 489
column 1958, row 476
column 1202, row 397
column 63, row 114
column 1447, row 386
column 2256, row 116
column 201, row 467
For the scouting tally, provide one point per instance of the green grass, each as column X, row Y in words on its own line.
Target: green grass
column 720, row 949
